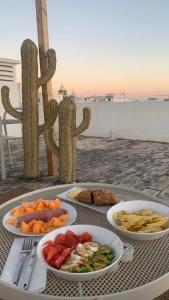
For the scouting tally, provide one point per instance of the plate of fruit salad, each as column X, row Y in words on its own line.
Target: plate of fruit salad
column 38, row 217
column 80, row 252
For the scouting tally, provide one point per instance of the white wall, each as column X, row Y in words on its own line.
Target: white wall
column 137, row 120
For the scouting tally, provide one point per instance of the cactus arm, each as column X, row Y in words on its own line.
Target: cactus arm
column 50, row 143
column 53, row 111
column 85, row 123
column 47, row 127
column 51, row 68
column 7, row 105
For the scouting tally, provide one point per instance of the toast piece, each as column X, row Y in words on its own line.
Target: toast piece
column 97, row 197
column 101, row 197
column 85, row 196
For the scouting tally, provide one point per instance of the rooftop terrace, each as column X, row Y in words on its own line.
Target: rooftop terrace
column 137, row 164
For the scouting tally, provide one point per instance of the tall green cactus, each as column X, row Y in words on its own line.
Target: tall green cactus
column 67, row 138
column 29, row 115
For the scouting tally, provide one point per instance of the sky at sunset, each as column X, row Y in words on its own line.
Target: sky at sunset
column 101, row 45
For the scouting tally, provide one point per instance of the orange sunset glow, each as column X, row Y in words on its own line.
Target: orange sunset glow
column 120, row 47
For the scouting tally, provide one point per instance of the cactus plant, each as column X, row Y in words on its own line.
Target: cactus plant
column 67, row 138
column 29, row 115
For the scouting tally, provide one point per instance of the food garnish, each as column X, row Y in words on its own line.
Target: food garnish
column 77, row 254
column 145, row 221
column 74, row 193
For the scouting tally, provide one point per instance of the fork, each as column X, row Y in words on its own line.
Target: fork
column 26, row 248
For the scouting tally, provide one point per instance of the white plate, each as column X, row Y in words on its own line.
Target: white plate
column 136, row 205
column 100, row 235
column 12, row 228
column 102, row 208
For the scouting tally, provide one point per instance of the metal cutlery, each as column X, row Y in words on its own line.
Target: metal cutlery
column 29, row 268
column 26, row 248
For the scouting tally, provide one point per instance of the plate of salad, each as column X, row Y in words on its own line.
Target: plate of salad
column 80, row 252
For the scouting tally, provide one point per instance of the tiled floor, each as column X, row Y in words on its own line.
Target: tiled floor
column 137, row 164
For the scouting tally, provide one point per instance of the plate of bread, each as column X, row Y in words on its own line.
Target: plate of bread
column 95, row 198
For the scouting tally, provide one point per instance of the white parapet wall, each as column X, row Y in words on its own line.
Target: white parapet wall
column 129, row 120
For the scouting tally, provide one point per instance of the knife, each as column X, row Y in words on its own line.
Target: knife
column 30, row 266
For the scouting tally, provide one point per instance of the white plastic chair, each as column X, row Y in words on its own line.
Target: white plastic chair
column 5, row 138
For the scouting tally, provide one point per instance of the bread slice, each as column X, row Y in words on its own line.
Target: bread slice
column 101, row 197
column 97, row 197
column 85, row 196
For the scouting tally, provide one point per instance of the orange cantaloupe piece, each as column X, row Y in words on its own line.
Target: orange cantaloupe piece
column 25, row 204
column 57, row 202
column 34, row 204
column 11, row 221
column 25, row 228
column 22, row 210
column 41, row 223
column 15, row 212
column 29, row 210
column 36, row 228
column 39, row 201
column 40, row 206
column 56, row 222
column 44, row 229
column 50, row 222
column 52, row 205
column 64, row 218
column 45, row 203
column 32, row 222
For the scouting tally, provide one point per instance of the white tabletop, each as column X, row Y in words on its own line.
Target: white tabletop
column 145, row 277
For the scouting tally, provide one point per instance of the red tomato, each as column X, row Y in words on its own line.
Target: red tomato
column 60, row 238
column 70, row 242
column 52, row 251
column 70, row 233
column 85, row 237
column 60, row 248
column 61, row 258
column 52, row 243
column 52, row 263
column 45, row 251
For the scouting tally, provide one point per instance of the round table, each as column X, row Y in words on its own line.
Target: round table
column 146, row 276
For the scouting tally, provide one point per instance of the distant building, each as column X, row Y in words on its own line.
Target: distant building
column 152, row 99
column 109, row 97
column 61, row 93
column 62, row 90
column 106, row 98
column 159, row 98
